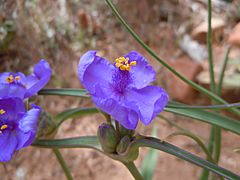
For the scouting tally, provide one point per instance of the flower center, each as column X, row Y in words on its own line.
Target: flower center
column 11, row 79
column 123, row 63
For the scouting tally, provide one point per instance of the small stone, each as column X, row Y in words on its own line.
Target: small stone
column 200, row 32
column 177, row 89
column 193, row 49
column 234, row 37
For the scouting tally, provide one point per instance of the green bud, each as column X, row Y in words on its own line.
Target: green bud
column 125, row 132
column 46, row 126
column 123, row 144
column 108, row 138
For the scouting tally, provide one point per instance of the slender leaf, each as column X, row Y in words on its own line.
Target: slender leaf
column 65, row 92
column 209, row 117
column 92, row 142
column 174, row 104
column 73, row 113
column 197, row 140
column 171, row 149
column 77, row 142
column 171, row 104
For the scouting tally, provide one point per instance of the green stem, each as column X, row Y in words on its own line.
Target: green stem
column 63, row 164
column 217, row 143
column 133, row 170
column 209, row 44
column 216, row 133
column 225, row 61
column 153, row 54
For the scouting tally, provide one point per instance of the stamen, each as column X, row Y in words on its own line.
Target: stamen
column 3, row 127
column 2, row 111
column 10, row 79
column 133, row 63
column 17, row 78
column 123, row 63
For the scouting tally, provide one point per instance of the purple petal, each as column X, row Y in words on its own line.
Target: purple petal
column 24, row 139
column 124, row 115
column 29, row 120
column 27, row 127
column 41, row 76
column 3, row 77
column 12, row 90
column 12, row 106
column 150, row 101
column 8, row 143
column 143, row 73
column 93, row 70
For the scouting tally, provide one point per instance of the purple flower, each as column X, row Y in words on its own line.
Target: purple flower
column 122, row 89
column 18, row 85
column 17, row 127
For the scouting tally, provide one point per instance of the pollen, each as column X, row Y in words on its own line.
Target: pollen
column 10, row 79
column 123, row 63
column 3, row 127
column 17, row 78
column 2, row 111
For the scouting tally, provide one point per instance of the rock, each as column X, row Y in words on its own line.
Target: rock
column 195, row 50
column 177, row 89
column 234, row 37
column 200, row 32
column 84, row 19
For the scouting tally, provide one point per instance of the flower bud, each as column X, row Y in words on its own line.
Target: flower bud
column 125, row 132
column 108, row 138
column 46, row 126
column 123, row 144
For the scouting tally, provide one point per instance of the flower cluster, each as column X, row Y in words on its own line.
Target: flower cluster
column 18, row 127
column 121, row 89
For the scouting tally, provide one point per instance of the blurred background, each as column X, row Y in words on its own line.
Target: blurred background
column 61, row 31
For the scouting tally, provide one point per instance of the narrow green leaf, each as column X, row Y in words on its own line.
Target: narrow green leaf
column 65, row 92
column 171, row 149
column 174, row 104
column 209, row 117
column 92, row 142
column 73, row 113
column 196, row 139
column 77, row 142
column 171, row 104
column 150, row 160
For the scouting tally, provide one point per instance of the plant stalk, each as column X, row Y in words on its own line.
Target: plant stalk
column 133, row 170
column 63, row 164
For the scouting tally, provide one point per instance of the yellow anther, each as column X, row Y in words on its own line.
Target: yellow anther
column 2, row 111
column 133, row 63
column 17, row 78
column 10, row 79
column 3, row 127
column 123, row 68
column 118, row 64
column 123, row 63
column 127, row 67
